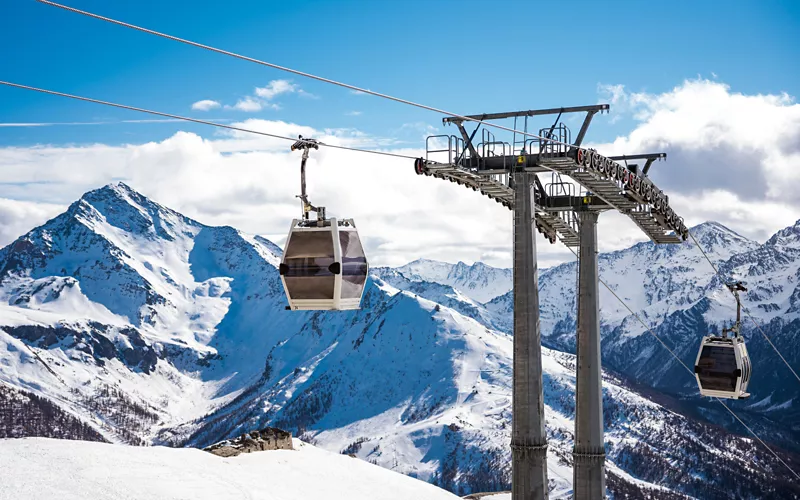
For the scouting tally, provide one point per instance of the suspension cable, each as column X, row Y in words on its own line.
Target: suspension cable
column 691, row 373
column 745, row 309
column 195, row 120
column 300, row 73
column 214, row 124
column 318, row 78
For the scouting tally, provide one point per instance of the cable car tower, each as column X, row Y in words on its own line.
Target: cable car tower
column 583, row 183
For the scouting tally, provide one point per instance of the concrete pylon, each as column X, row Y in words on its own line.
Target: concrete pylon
column 528, row 438
column 589, row 478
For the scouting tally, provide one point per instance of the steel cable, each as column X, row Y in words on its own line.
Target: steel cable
column 299, row 73
column 195, row 120
column 691, row 373
column 745, row 309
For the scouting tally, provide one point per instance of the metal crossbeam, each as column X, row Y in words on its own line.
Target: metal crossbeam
column 643, row 156
column 533, row 112
column 468, row 138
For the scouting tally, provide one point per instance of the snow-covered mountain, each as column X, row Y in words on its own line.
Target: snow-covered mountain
column 479, row 282
column 149, row 327
column 120, row 293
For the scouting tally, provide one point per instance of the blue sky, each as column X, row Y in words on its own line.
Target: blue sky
column 465, row 56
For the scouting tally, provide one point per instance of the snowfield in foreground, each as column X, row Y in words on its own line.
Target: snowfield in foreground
column 35, row 468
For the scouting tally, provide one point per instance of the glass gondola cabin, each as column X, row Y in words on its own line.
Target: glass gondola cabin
column 723, row 367
column 324, row 267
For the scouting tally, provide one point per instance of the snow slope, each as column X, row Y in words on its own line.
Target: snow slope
column 116, row 472
column 427, row 392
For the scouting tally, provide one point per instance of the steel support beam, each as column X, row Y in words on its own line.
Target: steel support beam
column 532, row 112
column 589, row 481
column 643, row 156
column 584, row 127
column 649, row 157
column 528, row 438
column 647, row 166
column 468, row 139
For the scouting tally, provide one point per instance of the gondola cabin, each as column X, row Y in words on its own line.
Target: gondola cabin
column 324, row 267
column 723, row 367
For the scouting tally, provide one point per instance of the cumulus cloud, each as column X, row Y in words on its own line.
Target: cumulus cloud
column 732, row 156
column 274, row 88
column 250, row 182
column 19, row 217
column 205, row 105
column 716, row 170
column 264, row 97
column 248, row 105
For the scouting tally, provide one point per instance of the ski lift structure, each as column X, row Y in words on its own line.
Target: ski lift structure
column 324, row 267
column 723, row 367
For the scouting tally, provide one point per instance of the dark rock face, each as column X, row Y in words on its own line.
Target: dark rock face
column 93, row 341
column 269, row 438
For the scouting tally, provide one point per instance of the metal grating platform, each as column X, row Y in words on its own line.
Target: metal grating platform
column 553, row 225
column 608, row 184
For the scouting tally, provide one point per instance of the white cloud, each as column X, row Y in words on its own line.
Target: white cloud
column 732, row 158
column 205, row 105
column 353, row 113
column 19, row 217
column 274, row 88
column 56, row 124
column 248, row 105
column 307, row 95
column 250, row 182
column 262, row 97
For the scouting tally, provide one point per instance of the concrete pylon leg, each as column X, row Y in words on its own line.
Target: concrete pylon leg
column 528, row 438
column 589, row 479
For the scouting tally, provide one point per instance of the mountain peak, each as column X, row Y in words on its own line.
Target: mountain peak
column 125, row 208
column 786, row 236
column 116, row 194
column 425, row 261
column 711, row 226
column 715, row 237
column 478, row 281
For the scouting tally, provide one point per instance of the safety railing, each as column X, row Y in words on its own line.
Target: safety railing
column 444, row 148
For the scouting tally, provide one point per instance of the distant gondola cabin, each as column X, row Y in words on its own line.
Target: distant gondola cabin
column 723, row 367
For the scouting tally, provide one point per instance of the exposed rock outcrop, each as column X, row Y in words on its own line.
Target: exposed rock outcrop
column 269, row 438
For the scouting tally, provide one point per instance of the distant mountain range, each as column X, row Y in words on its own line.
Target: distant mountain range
column 144, row 326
